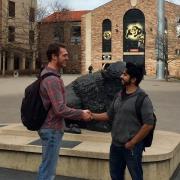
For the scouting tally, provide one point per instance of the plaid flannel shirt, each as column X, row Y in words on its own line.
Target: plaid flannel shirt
column 52, row 92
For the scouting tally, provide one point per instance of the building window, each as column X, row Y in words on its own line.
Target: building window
column 178, row 20
column 11, row 9
column 32, row 14
column 178, row 27
column 106, row 36
column 178, row 30
column 58, row 34
column 177, row 52
column 31, row 37
column 75, row 34
column 11, row 34
column 134, row 32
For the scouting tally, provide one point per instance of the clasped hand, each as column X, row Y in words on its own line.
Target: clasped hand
column 87, row 115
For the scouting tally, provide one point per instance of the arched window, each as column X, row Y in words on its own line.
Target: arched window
column 134, row 31
column 106, row 35
column 134, row 37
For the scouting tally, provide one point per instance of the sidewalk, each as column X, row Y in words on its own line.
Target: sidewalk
column 165, row 97
column 10, row 174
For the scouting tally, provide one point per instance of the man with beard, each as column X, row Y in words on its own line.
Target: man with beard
column 53, row 97
column 127, row 130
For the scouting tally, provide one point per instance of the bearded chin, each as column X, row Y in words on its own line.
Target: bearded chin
column 59, row 65
column 126, row 83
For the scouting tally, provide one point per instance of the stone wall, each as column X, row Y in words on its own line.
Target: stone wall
column 18, row 54
column 20, row 22
column 46, row 37
column 115, row 11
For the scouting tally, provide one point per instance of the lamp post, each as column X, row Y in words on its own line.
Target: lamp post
column 166, row 54
column 160, row 57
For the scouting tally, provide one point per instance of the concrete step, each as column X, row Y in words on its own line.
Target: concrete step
column 86, row 155
column 19, row 130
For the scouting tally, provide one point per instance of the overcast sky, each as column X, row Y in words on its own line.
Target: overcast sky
column 84, row 4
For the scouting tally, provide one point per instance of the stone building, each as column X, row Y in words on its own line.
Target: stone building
column 18, row 42
column 63, row 27
column 127, row 30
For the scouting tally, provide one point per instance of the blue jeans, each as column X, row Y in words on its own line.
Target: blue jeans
column 120, row 157
column 51, row 142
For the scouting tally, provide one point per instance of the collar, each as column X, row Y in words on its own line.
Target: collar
column 52, row 70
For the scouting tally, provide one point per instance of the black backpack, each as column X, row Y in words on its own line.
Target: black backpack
column 33, row 113
column 149, row 138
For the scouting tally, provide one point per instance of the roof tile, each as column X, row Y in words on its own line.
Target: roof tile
column 65, row 16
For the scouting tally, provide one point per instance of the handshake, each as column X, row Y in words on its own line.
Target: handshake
column 87, row 115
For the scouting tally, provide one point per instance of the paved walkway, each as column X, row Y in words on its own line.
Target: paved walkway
column 165, row 97
column 9, row 174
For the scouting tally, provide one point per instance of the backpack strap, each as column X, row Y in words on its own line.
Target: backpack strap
column 45, row 76
column 138, row 104
column 48, row 74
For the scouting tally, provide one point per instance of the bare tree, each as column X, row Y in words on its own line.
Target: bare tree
column 57, row 22
column 41, row 11
column 58, row 6
column 60, row 19
column 34, row 17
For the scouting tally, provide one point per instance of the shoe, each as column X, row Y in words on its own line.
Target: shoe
column 73, row 128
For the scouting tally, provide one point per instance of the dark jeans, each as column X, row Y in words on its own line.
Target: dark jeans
column 120, row 157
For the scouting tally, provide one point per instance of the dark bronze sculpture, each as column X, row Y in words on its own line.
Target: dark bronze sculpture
column 95, row 92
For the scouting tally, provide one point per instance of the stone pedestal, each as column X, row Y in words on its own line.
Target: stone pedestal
column 89, row 158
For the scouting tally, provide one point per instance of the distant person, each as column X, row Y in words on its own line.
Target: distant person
column 127, row 131
column 53, row 96
column 90, row 69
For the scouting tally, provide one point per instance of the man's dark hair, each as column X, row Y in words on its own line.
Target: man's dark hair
column 54, row 49
column 135, row 72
